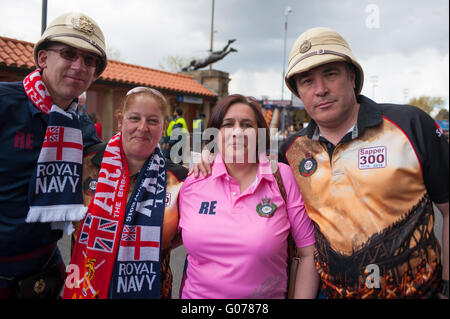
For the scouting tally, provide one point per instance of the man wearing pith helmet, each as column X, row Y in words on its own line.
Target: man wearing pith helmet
column 369, row 174
column 42, row 141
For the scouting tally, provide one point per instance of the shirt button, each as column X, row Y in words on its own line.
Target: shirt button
column 329, row 145
column 227, row 178
column 234, row 193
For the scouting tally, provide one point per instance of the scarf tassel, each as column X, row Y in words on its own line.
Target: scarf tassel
column 60, row 216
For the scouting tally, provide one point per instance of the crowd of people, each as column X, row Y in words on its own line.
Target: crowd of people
column 352, row 193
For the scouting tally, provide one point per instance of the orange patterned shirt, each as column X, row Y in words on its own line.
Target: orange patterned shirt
column 370, row 198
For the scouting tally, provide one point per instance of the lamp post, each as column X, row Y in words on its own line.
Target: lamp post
column 212, row 32
column 44, row 16
column 286, row 13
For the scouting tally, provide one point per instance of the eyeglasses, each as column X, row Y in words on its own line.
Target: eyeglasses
column 72, row 55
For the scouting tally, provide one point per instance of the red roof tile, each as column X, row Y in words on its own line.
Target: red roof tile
column 17, row 53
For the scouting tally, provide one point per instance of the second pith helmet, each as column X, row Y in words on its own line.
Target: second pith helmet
column 318, row 46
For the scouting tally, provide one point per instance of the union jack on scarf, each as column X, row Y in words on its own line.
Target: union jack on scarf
column 54, row 192
column 118, row 249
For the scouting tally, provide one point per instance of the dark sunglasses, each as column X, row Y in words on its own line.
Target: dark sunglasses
column 72, row 55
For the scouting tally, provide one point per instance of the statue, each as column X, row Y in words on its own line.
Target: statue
column 213, row 57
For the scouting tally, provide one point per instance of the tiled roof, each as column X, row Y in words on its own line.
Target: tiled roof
column 17, row 53
column 138, row 75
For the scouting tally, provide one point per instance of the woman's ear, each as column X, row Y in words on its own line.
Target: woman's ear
column 119, row 122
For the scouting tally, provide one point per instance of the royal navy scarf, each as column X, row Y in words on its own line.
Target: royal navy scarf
column 54, row 193
column 118, row 250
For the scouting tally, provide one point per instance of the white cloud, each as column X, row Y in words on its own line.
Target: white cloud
column 257, row 84
column 424, row 72
column 408, row 51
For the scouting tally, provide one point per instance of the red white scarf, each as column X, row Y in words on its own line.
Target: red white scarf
column 55, row 193
column 37, row 92
column 115, row 236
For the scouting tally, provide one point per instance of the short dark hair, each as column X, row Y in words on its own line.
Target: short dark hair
column 220, row 110
column 349, row 67
column 179, row 111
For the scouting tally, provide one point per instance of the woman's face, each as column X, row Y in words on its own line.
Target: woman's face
column 238, row 135
column 142, row 127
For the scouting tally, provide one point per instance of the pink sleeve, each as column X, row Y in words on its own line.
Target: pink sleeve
column 302, row 228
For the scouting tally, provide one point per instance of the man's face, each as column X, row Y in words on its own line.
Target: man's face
column 65, row 79
column 327, row 92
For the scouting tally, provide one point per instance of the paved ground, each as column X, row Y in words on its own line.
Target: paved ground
column 179, row 255
column 177, row 264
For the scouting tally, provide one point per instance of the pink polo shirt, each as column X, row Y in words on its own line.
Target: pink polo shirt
column 234, row 251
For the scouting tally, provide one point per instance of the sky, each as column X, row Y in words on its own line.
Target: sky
column 402, row 45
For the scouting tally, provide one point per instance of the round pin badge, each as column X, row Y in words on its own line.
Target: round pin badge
column 305, row 46
column 89, row 186
column 307, row 166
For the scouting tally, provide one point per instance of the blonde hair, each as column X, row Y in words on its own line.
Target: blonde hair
column 150, row 92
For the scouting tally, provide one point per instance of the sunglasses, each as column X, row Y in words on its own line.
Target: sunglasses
column 72, row 55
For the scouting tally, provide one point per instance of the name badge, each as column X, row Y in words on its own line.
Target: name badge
column 372, row 157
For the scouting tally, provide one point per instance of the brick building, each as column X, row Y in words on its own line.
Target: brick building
column 106, row 93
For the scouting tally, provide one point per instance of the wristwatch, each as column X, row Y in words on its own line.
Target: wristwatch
column 443, row 288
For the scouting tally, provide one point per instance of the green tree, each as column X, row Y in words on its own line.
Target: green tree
column 442, row 115
column 174, row 63
column 426, row 103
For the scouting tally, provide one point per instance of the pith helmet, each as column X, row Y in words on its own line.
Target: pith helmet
column 77, row 30
column 318, row 46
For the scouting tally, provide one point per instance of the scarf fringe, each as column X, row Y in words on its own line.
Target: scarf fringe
column 60, row 217
column 56, row 213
